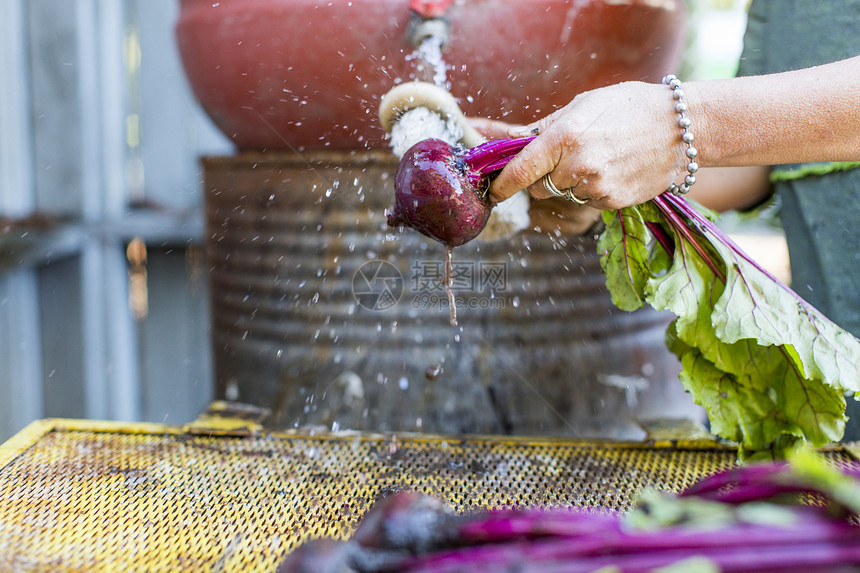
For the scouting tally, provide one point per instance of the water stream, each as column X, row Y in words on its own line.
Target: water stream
column 421, row 123
column 430, row 60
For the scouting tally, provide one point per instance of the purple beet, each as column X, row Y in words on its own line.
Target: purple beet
column 406, row 520
column 323, row 555
column 440, row 190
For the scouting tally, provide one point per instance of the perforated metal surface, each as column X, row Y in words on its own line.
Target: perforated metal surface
column 100, row 496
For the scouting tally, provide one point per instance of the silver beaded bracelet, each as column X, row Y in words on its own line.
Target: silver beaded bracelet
column 687, row 136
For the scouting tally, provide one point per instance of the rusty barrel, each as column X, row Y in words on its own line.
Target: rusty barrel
column 328, row 317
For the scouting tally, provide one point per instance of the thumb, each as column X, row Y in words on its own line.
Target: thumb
column 527, row 167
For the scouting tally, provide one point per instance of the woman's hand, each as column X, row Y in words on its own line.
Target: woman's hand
column 613, row 147
column 620, row 145
column 552, row 215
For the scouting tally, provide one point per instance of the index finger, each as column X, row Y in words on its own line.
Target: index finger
column 527, row 167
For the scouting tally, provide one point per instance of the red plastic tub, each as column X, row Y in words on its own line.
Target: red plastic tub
column 280, row 74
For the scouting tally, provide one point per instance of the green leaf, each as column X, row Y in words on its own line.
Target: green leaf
column 755, row 393
column 710, row 387
column 755, row 306
column 695, row 564
column 841, row 488
column 660, row 261
column 687, row 289
column 650, row 212
column 770, row 369
column 624, row 252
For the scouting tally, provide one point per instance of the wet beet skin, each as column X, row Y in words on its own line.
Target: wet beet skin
column 434, row 196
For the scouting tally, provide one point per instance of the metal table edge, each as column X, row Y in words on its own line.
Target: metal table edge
column 30, row 434
column 36, row 430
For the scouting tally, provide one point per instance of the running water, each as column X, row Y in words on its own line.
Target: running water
column 414, row 126
column 430, row 54
column 449, row 283
column 421, row 123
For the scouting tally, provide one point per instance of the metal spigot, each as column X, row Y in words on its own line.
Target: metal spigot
column 430, row 8
column 428, row 21
column 422, row 29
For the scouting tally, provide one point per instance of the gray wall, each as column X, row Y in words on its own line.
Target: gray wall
column 99, row 142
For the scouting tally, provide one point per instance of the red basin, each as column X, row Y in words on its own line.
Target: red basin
column 281, row 74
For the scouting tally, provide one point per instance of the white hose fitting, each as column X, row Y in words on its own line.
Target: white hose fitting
column 412, row 95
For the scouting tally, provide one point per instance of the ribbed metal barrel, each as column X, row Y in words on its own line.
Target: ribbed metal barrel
column 328, row 317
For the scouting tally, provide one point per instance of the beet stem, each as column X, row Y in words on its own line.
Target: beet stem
column 677, row 223
column 491, row 156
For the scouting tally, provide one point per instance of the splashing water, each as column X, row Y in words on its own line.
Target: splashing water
column 449, row 284
column 420, row 123
column 430, row 52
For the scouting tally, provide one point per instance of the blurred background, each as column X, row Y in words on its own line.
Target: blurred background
column 103, row 303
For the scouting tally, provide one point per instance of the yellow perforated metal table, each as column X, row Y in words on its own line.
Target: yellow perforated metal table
column 223, row 494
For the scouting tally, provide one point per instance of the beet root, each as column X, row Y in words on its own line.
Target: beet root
column 406, row 520
column 435, row 194
column 323, row 555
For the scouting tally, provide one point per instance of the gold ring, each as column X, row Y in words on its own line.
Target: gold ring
column 555, row 191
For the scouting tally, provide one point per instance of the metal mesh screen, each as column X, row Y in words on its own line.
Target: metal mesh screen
column 159, row 499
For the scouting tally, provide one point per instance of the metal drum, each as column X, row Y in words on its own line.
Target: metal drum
column 328, row 317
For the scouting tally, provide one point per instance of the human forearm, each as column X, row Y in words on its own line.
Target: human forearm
column 620, row 145
column 794, row 117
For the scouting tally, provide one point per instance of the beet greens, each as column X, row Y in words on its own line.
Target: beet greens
column 770, row 369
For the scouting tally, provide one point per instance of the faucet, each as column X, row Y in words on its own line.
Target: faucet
column 428, row 21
